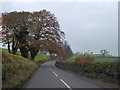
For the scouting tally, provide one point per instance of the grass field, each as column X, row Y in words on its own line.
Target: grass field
column 97, row 58
column 41, row 57
column 106, row 59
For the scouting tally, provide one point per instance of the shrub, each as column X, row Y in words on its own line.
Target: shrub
column 83, row 59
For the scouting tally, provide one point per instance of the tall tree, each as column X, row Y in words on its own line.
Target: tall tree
column 32, row 32
column 45, row 28
column 14, row 27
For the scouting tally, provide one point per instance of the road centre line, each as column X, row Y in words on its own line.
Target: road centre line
column 55, row 73
column 65, row 84
column 61, row 79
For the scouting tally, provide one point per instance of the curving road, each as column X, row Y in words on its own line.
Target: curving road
column 49, row 76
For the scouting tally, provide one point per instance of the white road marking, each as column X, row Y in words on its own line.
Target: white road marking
column 66, row 84
column 61, row 79
column 55, row 73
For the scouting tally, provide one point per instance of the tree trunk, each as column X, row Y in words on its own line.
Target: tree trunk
column 33, row 52
column 14, row 47
column 14, row 51
column 24, row 51
column 9, row 48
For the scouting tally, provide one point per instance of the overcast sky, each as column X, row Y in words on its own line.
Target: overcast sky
column 88, row 25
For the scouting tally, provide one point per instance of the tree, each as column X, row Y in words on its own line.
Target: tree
column 32, row 32
column 104, row 52
column 45, row 27
column 14, row 27
column 68, row 49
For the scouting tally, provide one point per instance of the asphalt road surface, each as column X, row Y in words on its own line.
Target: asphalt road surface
column 49, row 76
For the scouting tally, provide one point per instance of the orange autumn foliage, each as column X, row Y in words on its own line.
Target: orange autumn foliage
column 83, row 59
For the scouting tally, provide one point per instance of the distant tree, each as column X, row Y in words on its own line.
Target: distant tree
column 91, row 53
column 104, row 52
column 68, row 49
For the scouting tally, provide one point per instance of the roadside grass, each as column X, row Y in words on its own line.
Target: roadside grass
column 15, row 69
column 41, row 57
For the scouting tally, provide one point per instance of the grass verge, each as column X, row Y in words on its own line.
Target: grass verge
column 15, row 69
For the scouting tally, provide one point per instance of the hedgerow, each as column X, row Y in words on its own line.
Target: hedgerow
column 106, row 71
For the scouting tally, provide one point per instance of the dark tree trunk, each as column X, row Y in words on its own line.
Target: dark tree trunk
column 33, row 52
column 9, row 48
column 24, row 51
column 14, row 47
column 14, row 51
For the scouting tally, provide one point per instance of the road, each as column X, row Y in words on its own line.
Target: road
column 49, row 76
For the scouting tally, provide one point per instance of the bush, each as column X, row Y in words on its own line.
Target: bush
column 83, row 59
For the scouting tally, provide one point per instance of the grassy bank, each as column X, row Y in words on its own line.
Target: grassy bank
column 15, row 69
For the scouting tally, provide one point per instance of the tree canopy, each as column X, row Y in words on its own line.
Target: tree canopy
column 31, row 32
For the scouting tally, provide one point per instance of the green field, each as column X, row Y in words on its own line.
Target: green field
column 41, row 57
column 97, row 58
column 106, row 59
